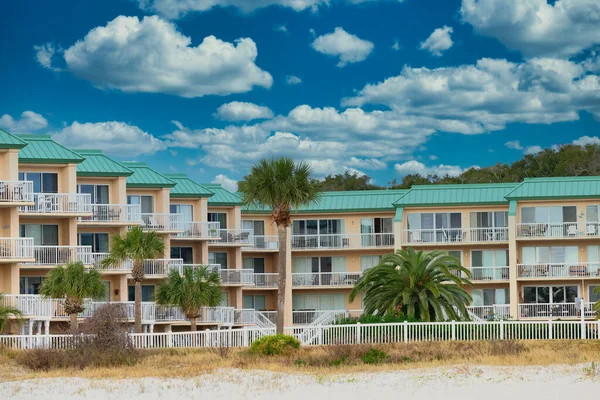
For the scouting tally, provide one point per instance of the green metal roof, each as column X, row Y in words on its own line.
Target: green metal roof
column 454, row 195
column 221, row 197
column 145, row 177
column 185, row 187
column 557, row 188
column 350, row 201
column 41, row 149
column 97, row 164
column 8, row 141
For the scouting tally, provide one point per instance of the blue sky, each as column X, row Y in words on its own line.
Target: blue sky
column 383, row 87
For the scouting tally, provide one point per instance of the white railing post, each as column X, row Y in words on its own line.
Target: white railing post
column 208, row 338
column 550, row 329
column 502, row 329
column 405, row 331
column 358, row 333
column 453, row 330
column 582, row 312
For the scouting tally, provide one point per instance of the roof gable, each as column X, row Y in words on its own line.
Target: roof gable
column 221, row 197
column 145, row 177
column 97, row 164
column 557, row 188
column 185, row 187
column 455, row 195
column 9, row 141
column 41, row 149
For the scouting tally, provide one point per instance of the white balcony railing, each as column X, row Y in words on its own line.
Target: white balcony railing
column 325, row 279
column 199, row 230
column 555, row 310
column 113, row 214
column 267, row 280
column 492, row 312
column 456, row 235
column 210, row 267
column 30, row 305
column 162, row 266
column 162, row 222
column 342, row 241
column 558, row 270
column 59, row 203
column 217, row 315
column 489, row 273
column 244, row 316
column 16, row 191
column 262, row 242
column 307, row 317
column 557, row 230
column 235, row 236
column 237, row 276
column 60, row 255
column 16, row 248
column 97, row 258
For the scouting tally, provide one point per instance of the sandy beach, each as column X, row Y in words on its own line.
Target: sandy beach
column 459, row 382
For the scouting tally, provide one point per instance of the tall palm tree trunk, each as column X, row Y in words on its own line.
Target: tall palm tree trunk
column 282, row 234
column 73, row 322
column 138, row 307
column 193, row 324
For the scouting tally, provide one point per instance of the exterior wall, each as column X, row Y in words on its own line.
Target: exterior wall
column 116, row 192
column 9, row 164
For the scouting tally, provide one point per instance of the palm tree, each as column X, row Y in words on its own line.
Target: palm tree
column 137, row 246
column 196, row 288
column 426, row 286
column 280, row 184
column 7, row 311
column 73, row 282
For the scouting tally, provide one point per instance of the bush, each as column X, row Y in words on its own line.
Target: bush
column 374, row 356
column 375, row 319
column 275, row 345
column 102, row 341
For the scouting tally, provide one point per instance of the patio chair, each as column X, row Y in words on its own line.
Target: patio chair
column 571, row 230
column 242, row 237
column 591, row 230
column 153, row 224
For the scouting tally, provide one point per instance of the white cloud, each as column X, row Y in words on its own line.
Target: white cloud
column 44, row 55
column 293, row 80
column 439, row 41
column 433, row 157
column 227, row 183
column 116, row 138
column 537, row 27
column 349, row 48
column 585, row 140
column 396, row 46
column 30, row 121
column 178, row 8
column 514, row 144
column 366, row 163
column 487, row 96
column 416, row 167
column 242, row 111
column 532, row 149
column 152, row 56
column 281, row 28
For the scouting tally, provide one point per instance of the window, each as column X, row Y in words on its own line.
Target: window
column 187, row 253
column 318, row 302
column 43, row 182
column 367, row 262
column 218, row 258
column 147, row 293
column 550, row 255
column 490, row 297
column 187, row 210
column 256, row 264
column 224, row 299
column 146, row 203
column 98, row 193
column 548, row 215
column 438, row 227
column 309, row 265
column 257, row 302
column 258, row 226
column 318, row 227
column 30, row 284
column 482, row 262
column 593, row 296
column 381, row 228
column 43, row 235
column 98, row 241
column 221, row 218
column 549, row 294
column 106, row 291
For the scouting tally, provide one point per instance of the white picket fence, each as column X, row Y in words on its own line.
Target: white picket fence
column 407, row 332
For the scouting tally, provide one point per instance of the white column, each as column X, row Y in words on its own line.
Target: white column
column 47, row 327
column 39, row 327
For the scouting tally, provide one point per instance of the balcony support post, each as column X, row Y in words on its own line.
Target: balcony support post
column 47, row 327
column 512, row 261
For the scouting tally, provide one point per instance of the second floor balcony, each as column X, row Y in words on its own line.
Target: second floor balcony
column 198, row 230
column 48, row 256
column 234, row 237
column 343, row 241
column 561, row 230
column 346, row 279
column 16, row 192
column 559, row 270
column 266, row 280
column 264, row 243
column 455, row 235
column 113, row 214
column 16, row 249
column 163, row 222
column 237, row 276
column 67, row 204
column 97, row 259
column 161, row 267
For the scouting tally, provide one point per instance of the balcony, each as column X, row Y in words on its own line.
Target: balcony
column 59, row 204
column 113, row 214
column 264, row 243
column 559, row 270
column 15, row 193
column 47, row 256
column 492, row 312
column 208, row 315
column 313, row 317
column 343, row 241
column 455, row 235
column 234, row 237
column 161, row 267
column 30, row 305
column 556, row 310
column 198, row 230
column 338, row 279
column 490, row 273
column 266, row 280
column 16, row 249
column 561, row 230
column 97, row 258
column 237, row 276
column 164, row 223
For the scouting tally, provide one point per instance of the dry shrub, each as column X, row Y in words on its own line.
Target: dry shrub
column 222, row 350
column 102, row 341
column 506, row 348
